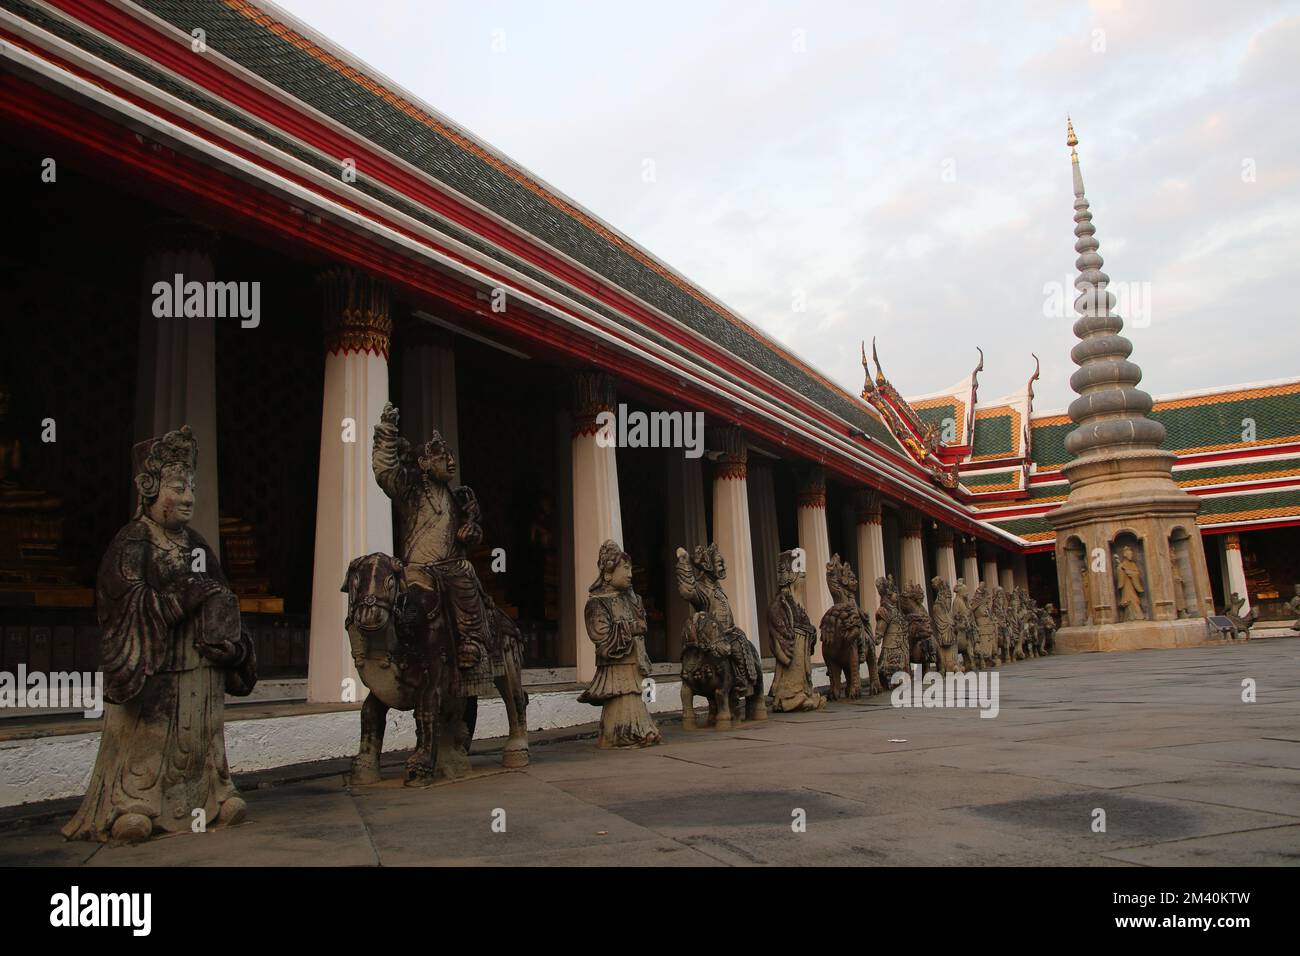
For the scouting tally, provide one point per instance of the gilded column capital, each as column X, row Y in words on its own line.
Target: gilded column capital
column 355, row 315
column 812, row 489
column 733, row 461
column 591, row 393
column 866, row 502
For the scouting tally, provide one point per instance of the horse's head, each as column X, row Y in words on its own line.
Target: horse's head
column 376, row 587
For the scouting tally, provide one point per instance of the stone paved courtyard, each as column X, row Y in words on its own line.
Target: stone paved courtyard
column 1187, row 774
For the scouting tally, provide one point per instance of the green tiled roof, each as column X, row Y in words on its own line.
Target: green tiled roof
column 993, row 436
column 1048, row 445
column 991, row 478
column 1275, row 416
column 1287, row 500
column 1024, row 526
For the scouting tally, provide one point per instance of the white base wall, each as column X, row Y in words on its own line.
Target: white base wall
column 47, row 768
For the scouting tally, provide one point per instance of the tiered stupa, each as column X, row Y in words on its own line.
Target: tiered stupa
column 1128, row 554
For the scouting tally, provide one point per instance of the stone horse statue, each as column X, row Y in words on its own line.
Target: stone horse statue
column 408, row 664
column 708, row 671
column 846, row 635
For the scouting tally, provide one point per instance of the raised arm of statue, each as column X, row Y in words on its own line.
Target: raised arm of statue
column 687, row 586
column 392, row 473
column 470, row 531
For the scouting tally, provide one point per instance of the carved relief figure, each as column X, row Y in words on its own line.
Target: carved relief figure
column 846, row 634
column 945, row 635
column 173, row 647
column 793, row 641
column 1130, row 586
column 718, row 660
column 1085, row 582
column 616, row 624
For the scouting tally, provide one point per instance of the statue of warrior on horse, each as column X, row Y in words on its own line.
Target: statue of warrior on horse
column 425, row 636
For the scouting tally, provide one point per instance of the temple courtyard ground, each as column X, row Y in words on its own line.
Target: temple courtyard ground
column 1185, row 771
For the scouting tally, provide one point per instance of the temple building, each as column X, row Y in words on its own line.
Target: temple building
column 218, row 217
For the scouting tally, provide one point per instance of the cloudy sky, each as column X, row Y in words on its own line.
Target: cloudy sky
column 899, row 169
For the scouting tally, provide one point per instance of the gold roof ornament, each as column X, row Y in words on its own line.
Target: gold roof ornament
column 1070, row 139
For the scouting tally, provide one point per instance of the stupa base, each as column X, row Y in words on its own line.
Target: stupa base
column 1136, row 636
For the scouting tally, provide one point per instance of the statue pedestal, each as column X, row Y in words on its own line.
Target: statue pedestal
column 1135, row 636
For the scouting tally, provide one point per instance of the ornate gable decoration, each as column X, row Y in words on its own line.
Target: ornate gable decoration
column 919, row 438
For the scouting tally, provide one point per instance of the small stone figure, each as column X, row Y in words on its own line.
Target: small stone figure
column 793, row 640
column 1293, row 607
column 1129, row 584
column 1241, row 623
column 846, row 635
column 718, row 660
column 172, row 648
column 920, row 629
column 963, row 623
column 891, row 629
column 616, row 624
column 1047, row 617
column 986, row 644
column 945, row 635
column 1001, row 619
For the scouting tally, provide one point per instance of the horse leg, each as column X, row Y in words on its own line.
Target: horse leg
column 854, row 675
column 365, row 765
column 421, row 765
column 722, row 701
column 516, row 751
column 454, row 728
column 688, row 707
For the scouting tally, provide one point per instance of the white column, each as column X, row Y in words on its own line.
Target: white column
column 731, row 532
column 970, row 566
column 176, row 380
column 871, row 551
column 913, row 557
column 816, row 544
column 1020, row 571
column 1236, row 573
column 1007, row 578
column 945, row 561
column 597, row 516
column 353, row 516
column 767, row 545
column 991, row 571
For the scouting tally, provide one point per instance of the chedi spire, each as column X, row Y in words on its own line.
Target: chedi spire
column 1110, row 411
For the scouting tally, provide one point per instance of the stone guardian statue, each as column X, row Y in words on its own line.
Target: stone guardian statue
column 793, row 640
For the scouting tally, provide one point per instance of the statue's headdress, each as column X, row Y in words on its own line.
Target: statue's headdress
column 706, row 556
column 609, row 557
column 153, row 458
column 434, row 446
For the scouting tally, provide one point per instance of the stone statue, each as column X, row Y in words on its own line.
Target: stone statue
column 409, row 616
column 1001, row 619
column 616, row 624
column 718, row 661
column 1241, row 623
column 920, row 629
column 1293, row 607
column 963, row 623
column 846, row 635
column 945, row 634
column 1129, row 585
column 1047, row 619
column 172, row 648
column 793, row 640
column 1029, row 629
column 891, row 630
column 1180, row 589
column 986, row 643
